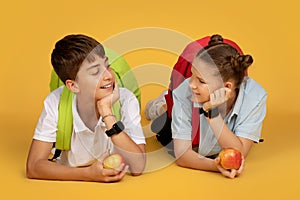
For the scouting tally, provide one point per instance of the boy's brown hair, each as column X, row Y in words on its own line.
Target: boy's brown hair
column 71, row 51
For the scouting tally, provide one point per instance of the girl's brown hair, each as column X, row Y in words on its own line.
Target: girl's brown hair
column 230, row 64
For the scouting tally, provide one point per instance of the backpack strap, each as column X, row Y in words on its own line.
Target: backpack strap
column 55, row 82
column 65, row 120
column 64, row 123
column 195, row 127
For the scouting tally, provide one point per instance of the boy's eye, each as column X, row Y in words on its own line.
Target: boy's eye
column 94, row 71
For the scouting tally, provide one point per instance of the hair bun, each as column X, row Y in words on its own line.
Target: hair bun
column 215, row 39
column 240, row 63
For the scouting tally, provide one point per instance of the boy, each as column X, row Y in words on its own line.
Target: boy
column 80, row 62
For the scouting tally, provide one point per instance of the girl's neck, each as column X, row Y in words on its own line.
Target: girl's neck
column 231, row 101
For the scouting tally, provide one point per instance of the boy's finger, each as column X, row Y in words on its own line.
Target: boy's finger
column 103, row 156
column 114, row 172
column 118, row 176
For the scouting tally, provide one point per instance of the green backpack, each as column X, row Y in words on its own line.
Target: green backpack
column 125, row 78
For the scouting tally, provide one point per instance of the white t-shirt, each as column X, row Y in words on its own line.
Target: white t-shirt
column 86, row 145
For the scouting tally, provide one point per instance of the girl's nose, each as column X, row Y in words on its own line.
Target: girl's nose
column 192, row 83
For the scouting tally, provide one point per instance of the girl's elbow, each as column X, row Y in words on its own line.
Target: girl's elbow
column 180, row 162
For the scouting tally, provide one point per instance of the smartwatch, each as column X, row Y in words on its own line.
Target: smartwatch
column 117, row 128
column 211, row 113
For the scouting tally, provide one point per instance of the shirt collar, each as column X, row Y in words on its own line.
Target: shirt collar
column 78, row 124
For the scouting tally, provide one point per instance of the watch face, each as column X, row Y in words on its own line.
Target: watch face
column 119, row 126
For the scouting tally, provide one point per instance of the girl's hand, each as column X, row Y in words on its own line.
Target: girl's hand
column 100, row 174
column 217, row 98
column 230, row 173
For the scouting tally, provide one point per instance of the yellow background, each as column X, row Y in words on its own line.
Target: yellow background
column 268, row 30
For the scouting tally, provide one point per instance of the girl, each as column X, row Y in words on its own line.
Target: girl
column 232, row 107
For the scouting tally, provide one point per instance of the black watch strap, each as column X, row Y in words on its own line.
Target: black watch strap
column 117, row 128
column 211, row 113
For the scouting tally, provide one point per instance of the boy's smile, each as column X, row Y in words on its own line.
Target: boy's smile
column 108, row 86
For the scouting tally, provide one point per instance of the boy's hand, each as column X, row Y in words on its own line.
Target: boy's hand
column 229, row 173
column 106, row 102
column 98, row 173
column 217, row 98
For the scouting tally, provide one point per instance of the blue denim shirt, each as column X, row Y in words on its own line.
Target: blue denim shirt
column 244, row 120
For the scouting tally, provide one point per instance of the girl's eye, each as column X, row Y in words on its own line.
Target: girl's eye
column 201, row 81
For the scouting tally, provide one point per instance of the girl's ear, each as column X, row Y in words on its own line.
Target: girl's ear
column 229, row 85
column 72, row 85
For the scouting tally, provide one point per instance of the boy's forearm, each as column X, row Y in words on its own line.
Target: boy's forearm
column 44, row 169
column 133, row 153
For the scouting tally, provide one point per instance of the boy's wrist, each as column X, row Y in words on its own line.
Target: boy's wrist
column 109, row 120
column 105, row 111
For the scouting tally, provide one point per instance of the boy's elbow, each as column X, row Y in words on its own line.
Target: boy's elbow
column 29, row 172
column 138, row 170
column 136, row 173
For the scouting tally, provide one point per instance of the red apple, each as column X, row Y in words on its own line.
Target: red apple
column 230, row 158
column 113, row 161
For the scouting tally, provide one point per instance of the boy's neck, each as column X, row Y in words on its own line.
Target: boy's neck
column 87, row 113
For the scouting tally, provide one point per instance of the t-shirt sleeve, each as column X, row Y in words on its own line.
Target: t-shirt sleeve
column 131, row 118
column 182, row 113
column 251, row 125
column 47, row 124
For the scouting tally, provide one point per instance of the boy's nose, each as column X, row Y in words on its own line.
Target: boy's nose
column 107, row 74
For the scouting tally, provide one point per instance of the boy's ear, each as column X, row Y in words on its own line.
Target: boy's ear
column 72, row 85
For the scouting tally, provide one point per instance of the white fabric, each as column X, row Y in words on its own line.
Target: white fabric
column 153, row 107
column 86, row 145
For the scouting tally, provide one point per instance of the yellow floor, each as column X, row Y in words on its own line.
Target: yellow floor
column 268, row 30
column 272, row 170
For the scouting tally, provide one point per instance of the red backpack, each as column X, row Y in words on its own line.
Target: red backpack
column 181, row 71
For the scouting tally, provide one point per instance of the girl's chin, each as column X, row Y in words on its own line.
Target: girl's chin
column 196, row 100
